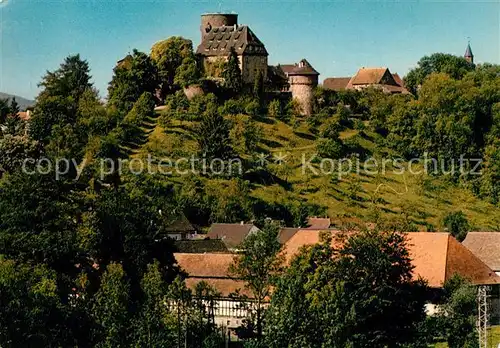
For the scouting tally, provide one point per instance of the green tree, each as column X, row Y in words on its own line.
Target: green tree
column 459, row 313
column 143, row 109
column 14, row 108
column 457, row 224
column 188, row 73
column 258, row 86
column 4, row 110
column 37, row 222
column 232, row 73
column 57, row 103
column 245, row 136
column 110, row 308
column 360, row 294
column 274, row 109
column 490, row 187
column 168, row 56
column 31, row 314
column 132, row 76
column 151, row 326
column 14, row 150
column 258, row 265
column 455, row 67
column 71, row 80
column 93, row 117
column 213, row 135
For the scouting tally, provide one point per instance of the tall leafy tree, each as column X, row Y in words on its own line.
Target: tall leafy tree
column 110, row 308
column 232, row 73
column 57, row 103
column 133, row 75
column 457, row 224
column 258, row 265
column 358, row 295
column 14, row 107
column 188, row 73
column 72, row 79
column 455, row 67
column 458, row 316
column 213, row 135
column 151, row 327
column 4, row 109
column 32, row 314
column 169, row 55
column 37, row 221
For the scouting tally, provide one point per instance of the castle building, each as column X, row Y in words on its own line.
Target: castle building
column 380, row 78
column 468, row 54
column 220, row 33
column 302, row 79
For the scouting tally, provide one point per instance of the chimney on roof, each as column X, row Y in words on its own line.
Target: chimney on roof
column 242, row 223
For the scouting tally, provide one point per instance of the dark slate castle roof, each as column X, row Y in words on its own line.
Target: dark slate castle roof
column 219, row 40
column 468, row 52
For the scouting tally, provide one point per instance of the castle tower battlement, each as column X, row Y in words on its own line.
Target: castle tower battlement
column 215, row 20
column 303, row 78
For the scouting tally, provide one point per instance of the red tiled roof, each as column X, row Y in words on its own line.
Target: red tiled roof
column 286, row 233
column 211, row 268
column 24, row 115
column 398, row 79
column 287, row 68
column 318, row 223
column 368, row 76
column 435, row 256
column 336, row 83
column 210, row 265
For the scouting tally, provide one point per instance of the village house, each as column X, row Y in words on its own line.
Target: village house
column 380, row 78
column 436, row 257
column 232, row 235
column 180, row 229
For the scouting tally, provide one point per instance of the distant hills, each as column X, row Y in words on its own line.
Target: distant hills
column 23, row 102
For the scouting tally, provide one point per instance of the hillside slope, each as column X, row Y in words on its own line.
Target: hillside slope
column 419, row 199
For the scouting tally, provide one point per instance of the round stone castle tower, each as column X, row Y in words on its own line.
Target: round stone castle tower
column 214, row 20
column 303, row 79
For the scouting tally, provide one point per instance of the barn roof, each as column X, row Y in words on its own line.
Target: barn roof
column 435, row 256
column 211, row 268
column 231, row 234
column 336, row 83
column 219, row 41
column 486, row 246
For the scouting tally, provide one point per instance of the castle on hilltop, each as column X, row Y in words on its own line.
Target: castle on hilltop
column 221, row 32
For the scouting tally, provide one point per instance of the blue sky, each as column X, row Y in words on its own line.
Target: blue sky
column 336, row 37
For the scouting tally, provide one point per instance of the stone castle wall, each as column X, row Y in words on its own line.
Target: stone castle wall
column 252, row 66
column 302, row 90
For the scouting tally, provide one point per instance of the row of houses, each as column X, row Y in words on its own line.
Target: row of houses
column 436, row 257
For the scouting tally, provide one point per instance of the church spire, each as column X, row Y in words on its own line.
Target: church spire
column 468, row 54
